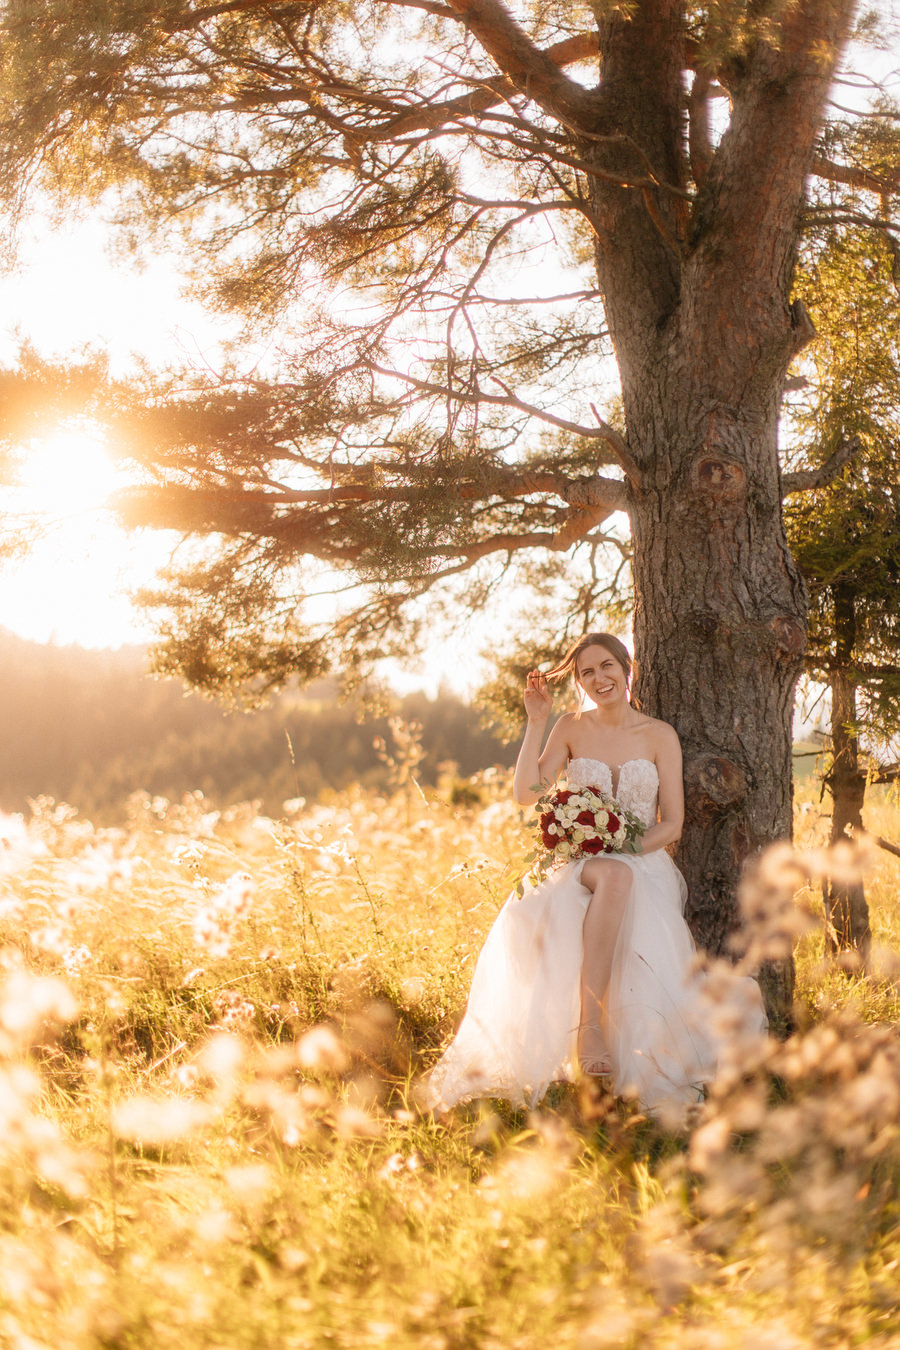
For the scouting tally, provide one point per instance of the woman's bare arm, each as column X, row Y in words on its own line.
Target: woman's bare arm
column 536, row 770
column 671, row 791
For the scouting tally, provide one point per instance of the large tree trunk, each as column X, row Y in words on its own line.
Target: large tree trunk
column 720, row 629
column 699, row 313
column 846, row 910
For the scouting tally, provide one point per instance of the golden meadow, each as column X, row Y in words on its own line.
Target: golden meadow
column 211, row 1024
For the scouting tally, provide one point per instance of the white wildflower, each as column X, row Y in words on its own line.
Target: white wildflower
column 30, row 1002
column 158, row 1120
column 320, row 1050
column 75, row 959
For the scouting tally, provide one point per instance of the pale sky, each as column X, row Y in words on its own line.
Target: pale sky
column 66, row 291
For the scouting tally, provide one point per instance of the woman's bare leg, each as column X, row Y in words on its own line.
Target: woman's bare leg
column 610, row 882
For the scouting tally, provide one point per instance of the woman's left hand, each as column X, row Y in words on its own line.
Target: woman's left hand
column 538, row 699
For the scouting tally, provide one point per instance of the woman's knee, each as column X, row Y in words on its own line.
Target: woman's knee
column 607, row 878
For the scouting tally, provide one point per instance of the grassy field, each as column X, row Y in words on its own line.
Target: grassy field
column 210, row 1028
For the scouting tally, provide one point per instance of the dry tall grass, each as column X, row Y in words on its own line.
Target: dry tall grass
column 209, row 1028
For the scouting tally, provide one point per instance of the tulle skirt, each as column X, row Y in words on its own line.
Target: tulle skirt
column 520, row 1029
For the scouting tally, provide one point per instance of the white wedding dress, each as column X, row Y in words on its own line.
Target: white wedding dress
column 519, row 1032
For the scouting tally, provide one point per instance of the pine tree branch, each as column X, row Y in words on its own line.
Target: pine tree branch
column 806, row 480
column 427, row 6
column 854, row 175
column 842, row 217
column 858, row 670
column 506, row 400
column 497, row 484
column 576, row 526
column 532, row 71
column 619, row 446
column 492, row 93
column 427, row 117
column 885, row 844
column 195, row 18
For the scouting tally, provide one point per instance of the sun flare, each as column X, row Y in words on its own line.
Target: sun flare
column 68, row 473
column 72, row 582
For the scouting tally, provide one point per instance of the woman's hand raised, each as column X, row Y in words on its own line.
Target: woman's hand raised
column 538, row 700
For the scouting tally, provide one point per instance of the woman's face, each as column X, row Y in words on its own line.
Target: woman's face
column 601, row 676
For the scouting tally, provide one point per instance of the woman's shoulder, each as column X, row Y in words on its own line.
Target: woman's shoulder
column 560, row 739
column 564, row 725
column 663, row 734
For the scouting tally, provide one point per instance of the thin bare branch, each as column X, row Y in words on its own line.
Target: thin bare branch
column 854, row 175
column 885, row 226
column 806, row 480
column 619, row 446
column 885, row 844
column 507, row 400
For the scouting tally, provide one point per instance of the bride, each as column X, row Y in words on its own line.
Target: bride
column 591, row 971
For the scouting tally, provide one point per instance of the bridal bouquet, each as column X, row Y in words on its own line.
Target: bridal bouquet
column 578, row 822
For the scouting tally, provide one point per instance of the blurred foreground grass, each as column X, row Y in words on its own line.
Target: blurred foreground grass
column 209, row 1028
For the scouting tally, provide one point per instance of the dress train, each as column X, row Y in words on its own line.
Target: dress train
column 520, row 1030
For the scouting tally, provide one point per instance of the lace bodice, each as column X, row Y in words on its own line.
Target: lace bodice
column 636, row 788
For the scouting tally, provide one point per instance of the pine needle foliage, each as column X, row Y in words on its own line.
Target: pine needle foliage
column 406, row 221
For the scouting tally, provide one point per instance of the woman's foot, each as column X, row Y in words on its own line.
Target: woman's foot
column 593, row 1055
column 595, row 1066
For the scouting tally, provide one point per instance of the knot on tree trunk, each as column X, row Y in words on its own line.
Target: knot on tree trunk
column 789, row 634
column 719, row 481
column 712, row 785
column 705, row 621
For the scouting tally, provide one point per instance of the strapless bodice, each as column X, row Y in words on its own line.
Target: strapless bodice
column 636, row 789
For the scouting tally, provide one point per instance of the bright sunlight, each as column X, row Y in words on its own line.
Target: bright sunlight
column 74, row 584
column 67, row 473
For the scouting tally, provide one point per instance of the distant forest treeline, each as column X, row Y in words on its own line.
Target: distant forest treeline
column 91, row 728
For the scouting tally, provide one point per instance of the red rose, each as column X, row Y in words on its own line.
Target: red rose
column 613, row 823
column 547, row 819
column 592, row 846
column 563, row 795
column 548, row 840
column 585, row 818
